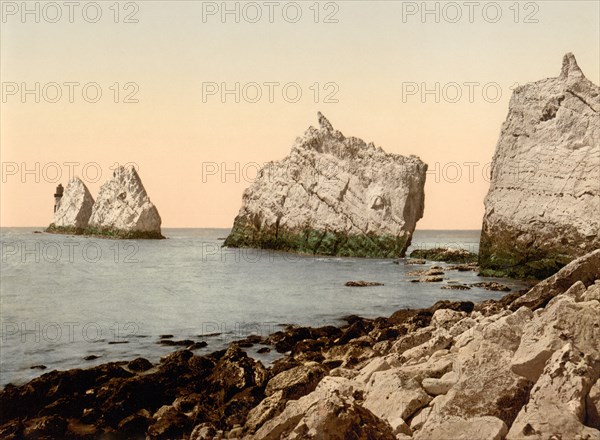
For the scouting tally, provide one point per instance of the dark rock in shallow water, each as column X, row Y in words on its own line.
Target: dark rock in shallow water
column 38, row 367
column 355, row 330
column 263, row 350
column 493, row 286
column 182, row 343
column 91, row 357
column 415, row 261
column 448, row 255
column 458, row 306
column 285, row 340
column 428, row 279
column 362, row 283
column 432, row 271
column 244, row 344
column 210, row 335
column 198, row 345
column 139, row 364
column 464, row 267
column 456, row 287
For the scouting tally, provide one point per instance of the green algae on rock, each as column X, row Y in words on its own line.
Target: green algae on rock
column 104, row 233
column 333, row 195
column 543, row 206
column 448, row 255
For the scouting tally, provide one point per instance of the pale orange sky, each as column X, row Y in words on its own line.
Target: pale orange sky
column 172, row 135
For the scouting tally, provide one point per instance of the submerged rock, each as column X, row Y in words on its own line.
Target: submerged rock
column 74, row 208
column 542, row 209
column 333, row 196
column 428, row 279
column 448, row 255
column 123, row 208
column 493, row 286
column 362, row 283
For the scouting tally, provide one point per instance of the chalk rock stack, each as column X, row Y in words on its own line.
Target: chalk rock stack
column 121, row 210
column 124, row 205
column 333, row 195
column 75, row 206
column 543, row 206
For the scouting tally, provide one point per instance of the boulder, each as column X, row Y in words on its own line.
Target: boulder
column 476, row 428
column 592, row 405
column 592, row 293
column 420, row 418
column 296, row 382
column 206, row 431
column 169, row 423
column 377, row 364
column 557, row 406
column 265, row 410
column 333, row 196
column 394, row 394
column 485, row 384
column 124, row 209
column 330, row 412
column 542, row 207
column 442, row 385
column 445, row 318
column 564, row 321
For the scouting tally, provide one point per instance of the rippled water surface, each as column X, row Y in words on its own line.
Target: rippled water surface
column 64, row 298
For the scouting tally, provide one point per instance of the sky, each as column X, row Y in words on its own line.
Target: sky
column 198, row 95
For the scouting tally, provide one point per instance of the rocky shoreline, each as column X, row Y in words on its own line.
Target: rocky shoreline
column 524, row 366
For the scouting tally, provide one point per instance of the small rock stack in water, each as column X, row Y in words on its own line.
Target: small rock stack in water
column 121, row 210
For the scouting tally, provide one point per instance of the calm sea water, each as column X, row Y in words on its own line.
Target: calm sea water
column 64, row 298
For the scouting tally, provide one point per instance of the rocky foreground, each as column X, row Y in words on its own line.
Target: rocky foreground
column 333, row 195
column 543, row 206
column 523, row 367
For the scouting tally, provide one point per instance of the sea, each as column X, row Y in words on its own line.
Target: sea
column 67, row 298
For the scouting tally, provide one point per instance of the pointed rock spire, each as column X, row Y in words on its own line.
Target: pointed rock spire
column 324, row 122
column 124, row 205
column 570, row 67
